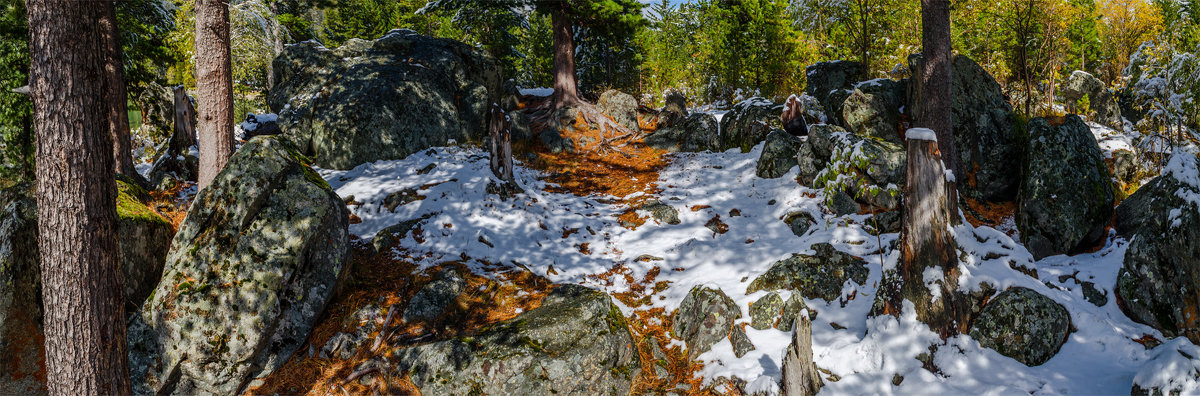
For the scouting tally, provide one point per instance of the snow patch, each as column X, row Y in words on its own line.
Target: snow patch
column 920, row 134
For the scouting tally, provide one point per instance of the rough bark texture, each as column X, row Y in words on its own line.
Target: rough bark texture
column 118, row 108
column 800, row 376
column 501, row 155
column 81, row 286
column 214, row 88
column 184, row 135
column 565, row 92
column 934, row 83
column 927, row 244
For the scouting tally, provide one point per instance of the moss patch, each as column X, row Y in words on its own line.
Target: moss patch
column 129, row 208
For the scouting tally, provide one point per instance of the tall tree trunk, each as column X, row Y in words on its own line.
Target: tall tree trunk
column 118, row 109
column 81, row 286
column 565, row 92
column 214, row 88
column 935, row 82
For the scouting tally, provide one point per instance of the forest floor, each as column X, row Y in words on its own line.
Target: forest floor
column 578, row 222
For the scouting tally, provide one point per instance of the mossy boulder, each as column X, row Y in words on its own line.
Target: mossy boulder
column 1159, row 283
column 383, row 99
column 778, row 155
column 1024, row 325
column 873, row 109
column 20, row 294
column 703, row 319
column 875, row 165
column 249, row 272
column 749, row 122
column 144, row 238
column 576, row 342
column 694, row 133
column 818, row 275
column 1100, row 100
column 1066, row 196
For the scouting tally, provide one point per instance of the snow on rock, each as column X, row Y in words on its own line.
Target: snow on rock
column 537, row 91
column 445, row 189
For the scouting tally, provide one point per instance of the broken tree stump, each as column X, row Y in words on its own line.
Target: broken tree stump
column 501, row 154
column 800, row 376
column 184, row 135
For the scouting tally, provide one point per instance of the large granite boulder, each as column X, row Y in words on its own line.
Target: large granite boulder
column 703, row 319
column 144, row 237
column 778, row 155
column 384, row 99
column 577, row 342
column 622, row 107
column 1066, row 196
column 873, row 109
column 696, row 132
column 985, row 131
column 20, row 295
column 1023, row 325
column 249, row 272
column 1159, row 283
column 831, row 83
column 867, row 168
column 1100, row 101
column 818, row 275
column 749, row 122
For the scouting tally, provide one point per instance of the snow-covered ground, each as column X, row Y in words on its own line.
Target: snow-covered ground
column 566, row 238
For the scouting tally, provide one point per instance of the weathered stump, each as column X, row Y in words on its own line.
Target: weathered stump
column 800, row 376
column 184, row 135
column 501, row 154
column 927, row 274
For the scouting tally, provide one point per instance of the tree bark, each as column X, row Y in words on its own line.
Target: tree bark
column 214, row 89
column 118, row 109
column 936, row 109
column 565, row 91
column 800, row 376
column 81, row 286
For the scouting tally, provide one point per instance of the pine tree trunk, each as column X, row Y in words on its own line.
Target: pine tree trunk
column 214, row 88
column 935, row 82
column 565, row 92
column 81, row 285
column 118, row 109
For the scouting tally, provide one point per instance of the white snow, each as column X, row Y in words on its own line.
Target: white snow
column 537, row 91
column 920, row 134
column 540, row 229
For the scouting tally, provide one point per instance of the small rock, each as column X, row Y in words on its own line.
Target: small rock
column 1024, row 325
column 741, row 342
column 764, row 311
column 704, row 319
column 662, row 212
column 432, row 300
column 799, row 222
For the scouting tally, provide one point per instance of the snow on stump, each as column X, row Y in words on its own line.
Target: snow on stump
column 1023, row 325
column 1066, row 198
column 927, row 273
column 248, row 274
column 1159, row 283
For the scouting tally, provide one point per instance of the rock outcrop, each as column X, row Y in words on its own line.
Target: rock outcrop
column 1159, row 283
column 1100, row 101
column 819, row 275
column 1066, row 196
column 696, row 132
column 867, row 168
column 778, row 155
column 1024, row 325
column 873, row 109
column 749, row 122
column 622, row 107
column 384, row 99
column 703, row 319
column 577, row 342
column 249, row 271
column 831, row 83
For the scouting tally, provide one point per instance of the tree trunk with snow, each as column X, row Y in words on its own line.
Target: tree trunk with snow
column 800, row 376
column 927, row 274
column 565, row 92
column 84, row 318
column 214, row 88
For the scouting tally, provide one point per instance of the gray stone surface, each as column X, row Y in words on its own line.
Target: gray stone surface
column 1024, row 325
